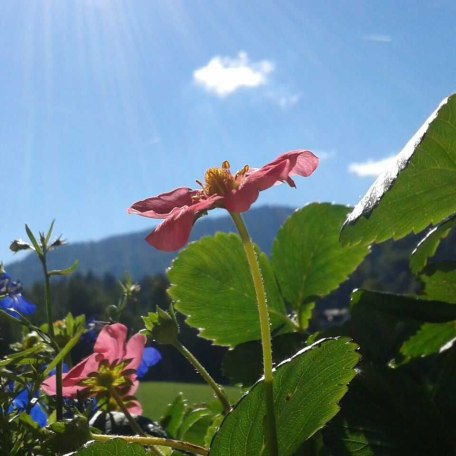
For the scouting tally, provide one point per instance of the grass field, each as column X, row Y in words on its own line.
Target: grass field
column 155, row 396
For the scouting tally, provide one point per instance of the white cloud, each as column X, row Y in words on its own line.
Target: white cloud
column 225, row 75
column 371, row 168
column 288, row 101
column 378, row 38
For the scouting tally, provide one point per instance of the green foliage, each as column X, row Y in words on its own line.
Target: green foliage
column 428, row 245
column 419, row 190
column 389, row 412
column 161, row 326
column 211, row 285
column 307, row 389
column 308, row 259
column 440, row 282
column 114, row 447
column 284, row 346
column 63, row 437
column 431, row 338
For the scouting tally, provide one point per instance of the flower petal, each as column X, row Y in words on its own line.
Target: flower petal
column 17, row 303
column 135, row 349
column 294, row 163
column 174, row 232
column 71, row 381
column 240, row 200
column 162, row 205
column 306, row 163
column 111, row 342
column 38, row 415
column 151, row 356
column 134, row 407
column 297, row 162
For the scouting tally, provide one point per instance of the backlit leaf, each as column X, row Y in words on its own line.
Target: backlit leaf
column 307, row 257
column 307, row 389
column 417, row 191
column 211, row 284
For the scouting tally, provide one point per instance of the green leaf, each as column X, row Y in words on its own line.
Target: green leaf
column 211, row 284
column 49, row 233
column 18, row 356
column 405, row 307
column 66, row 271
column 238, row 371
column 440, row 282
column 431, row 338
column 34, row 242
column 175, row 415
column 307, row 257
column 68, row 436
column 387, row 412
column 115, row 447
column 307, row 389
column 415, row 192
column 427, row 247
column 369, row 325
column 161, row 326
column 189, row 429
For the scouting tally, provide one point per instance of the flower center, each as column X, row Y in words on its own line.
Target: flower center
column 220, row 181
column 107, row 377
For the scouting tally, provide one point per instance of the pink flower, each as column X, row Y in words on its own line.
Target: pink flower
column 113, row 365
column 181, row 207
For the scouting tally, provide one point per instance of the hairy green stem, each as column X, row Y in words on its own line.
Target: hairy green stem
column 147, row 441
column 257, row 278
column 219, row 392
column 58, row 370
column 133, row 423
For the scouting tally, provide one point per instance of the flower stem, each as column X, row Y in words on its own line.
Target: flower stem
column 257, row 278
column 133, row 423
column 147, row 441
column 219, row 392
column 58, row 370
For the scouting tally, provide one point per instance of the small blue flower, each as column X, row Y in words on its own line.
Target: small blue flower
column 11, row 300
column 65, row 369
column 151, row 356
column 20, row 403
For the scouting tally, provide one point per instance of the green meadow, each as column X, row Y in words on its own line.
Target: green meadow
column 156, row 396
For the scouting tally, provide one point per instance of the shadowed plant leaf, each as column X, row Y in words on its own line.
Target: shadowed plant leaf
column 419, row 190
column 238, row 371
column 307, row 389
column 114, row 447
column 212, row 286
column 427, row 247
column 368, row 325
column 440, row 282
column 431, row 338
column 388, row 413
column 405, row 307
column 307, row 257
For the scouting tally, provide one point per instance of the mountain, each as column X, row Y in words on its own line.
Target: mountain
column 117, row 255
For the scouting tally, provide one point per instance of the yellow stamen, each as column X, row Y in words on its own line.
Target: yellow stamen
column 220, row 181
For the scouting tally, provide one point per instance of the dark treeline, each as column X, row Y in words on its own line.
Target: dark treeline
column 385, row 269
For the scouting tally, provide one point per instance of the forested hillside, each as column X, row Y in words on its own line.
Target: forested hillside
column 117, row 255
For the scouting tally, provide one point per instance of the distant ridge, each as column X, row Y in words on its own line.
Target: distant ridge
column 117, row 255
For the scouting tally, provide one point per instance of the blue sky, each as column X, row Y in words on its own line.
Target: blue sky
column 105, row 102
